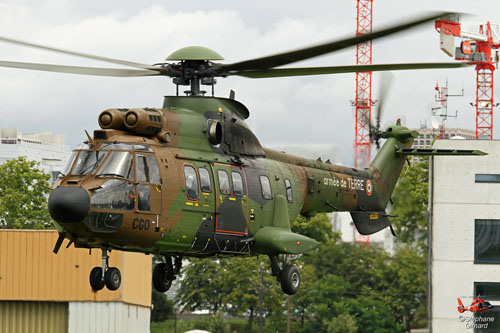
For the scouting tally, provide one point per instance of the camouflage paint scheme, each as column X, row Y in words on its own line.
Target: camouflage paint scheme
column 216, row 223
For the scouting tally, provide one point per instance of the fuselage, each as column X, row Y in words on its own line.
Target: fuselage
column 200, row 189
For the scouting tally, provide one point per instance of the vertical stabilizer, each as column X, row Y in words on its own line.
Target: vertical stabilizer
column 387, row 165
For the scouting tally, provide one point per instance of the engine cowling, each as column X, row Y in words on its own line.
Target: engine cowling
column 147, row 122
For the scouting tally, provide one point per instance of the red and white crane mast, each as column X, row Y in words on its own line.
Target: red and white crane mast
column 475, row 48
column 363, row 101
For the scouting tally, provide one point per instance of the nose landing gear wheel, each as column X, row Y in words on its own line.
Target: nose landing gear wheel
column 290, row 279
column 113, row 278
column 96, row 281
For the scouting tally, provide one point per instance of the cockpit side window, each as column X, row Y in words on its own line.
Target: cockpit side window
column 68, row 165
column 141, row 168
column 154, row 172
column 119, row 164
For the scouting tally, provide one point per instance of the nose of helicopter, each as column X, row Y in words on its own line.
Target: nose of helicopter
column 69, row 204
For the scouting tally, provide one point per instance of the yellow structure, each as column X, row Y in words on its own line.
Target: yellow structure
column 31, row 273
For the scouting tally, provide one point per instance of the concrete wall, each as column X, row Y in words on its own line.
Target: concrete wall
column 457, row 201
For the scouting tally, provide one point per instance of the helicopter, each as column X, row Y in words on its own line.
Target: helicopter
column 190, row 179
column 478, row 305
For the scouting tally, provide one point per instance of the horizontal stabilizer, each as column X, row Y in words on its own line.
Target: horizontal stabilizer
column 438, row 152
column 369, row 223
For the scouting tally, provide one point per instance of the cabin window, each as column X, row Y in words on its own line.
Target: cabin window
column 191, row 182
column 224, row 186
column 205, row 183
column 141, row 168
column 88, row 161
column 266, row 187
column 289, row 193
column 144, row 197
column 119, row 164
column 154, row 172
column 237, row 183
column 114, row 195
column 487, row 242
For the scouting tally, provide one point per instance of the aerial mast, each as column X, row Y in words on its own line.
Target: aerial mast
column 475, row 48
column 363, row 101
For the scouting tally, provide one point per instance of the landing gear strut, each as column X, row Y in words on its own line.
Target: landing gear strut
column 105, row 275
column 289, row 276
column 165, row 272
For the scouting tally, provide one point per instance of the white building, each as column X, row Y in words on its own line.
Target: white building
column 44, row 147
column 464, row 235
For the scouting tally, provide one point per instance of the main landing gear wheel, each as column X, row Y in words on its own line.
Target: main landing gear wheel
column 96, row 281
column 165, row 273
column 105, row 275
column 160, row 280
column 290, row 279
column 289, row 276
column 113, row 278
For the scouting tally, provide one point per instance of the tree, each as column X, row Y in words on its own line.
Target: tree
column 318, row 228
column 23, row 195
column 230, row 285
column 411, row 197
column 162, row 306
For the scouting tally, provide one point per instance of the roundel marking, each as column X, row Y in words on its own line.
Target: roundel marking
column 369, row 187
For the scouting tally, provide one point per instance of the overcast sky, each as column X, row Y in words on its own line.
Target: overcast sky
column 309, row 110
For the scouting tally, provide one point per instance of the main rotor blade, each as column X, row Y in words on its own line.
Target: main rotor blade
column 77, row 54
column 282, row 72
column 314, row 51
column 117, row 72
column 385, row 87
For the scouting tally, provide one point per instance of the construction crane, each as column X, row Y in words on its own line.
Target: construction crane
column 363, row 101
column 475, row 48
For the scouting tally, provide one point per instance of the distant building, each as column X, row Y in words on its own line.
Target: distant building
column 46, row 148
column 429, row 135
column 464, row 236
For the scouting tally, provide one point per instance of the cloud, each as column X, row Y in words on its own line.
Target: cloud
column 308, row 110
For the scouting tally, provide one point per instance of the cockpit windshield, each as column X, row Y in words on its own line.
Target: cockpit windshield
column 88, row 161
column 119, row 164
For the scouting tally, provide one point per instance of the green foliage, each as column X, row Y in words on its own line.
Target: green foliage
column 410, row 204
column 162, row 306
column 343, row 323
column 23, row 190
column 318, row 228
column 218, row 324
column 228, row 284
column 378, row 291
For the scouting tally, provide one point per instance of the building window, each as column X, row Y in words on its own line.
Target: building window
column 487, row 242
column 428, row 142
column 487, row 178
